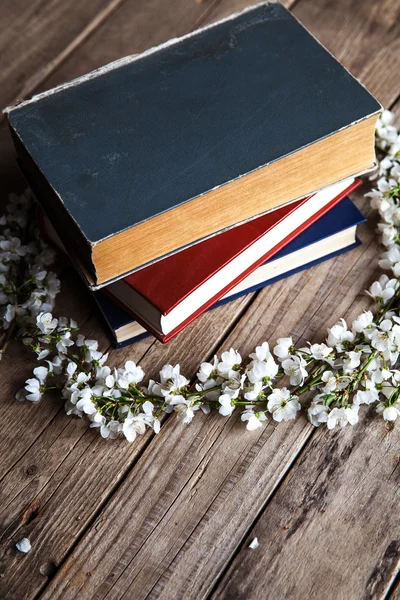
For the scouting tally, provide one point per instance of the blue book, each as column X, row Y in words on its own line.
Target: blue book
column 333, row 234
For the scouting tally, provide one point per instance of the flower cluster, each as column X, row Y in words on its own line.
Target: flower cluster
column 329, row 381
column 26, row 286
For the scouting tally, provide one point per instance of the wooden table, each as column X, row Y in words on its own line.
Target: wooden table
column 171, row 516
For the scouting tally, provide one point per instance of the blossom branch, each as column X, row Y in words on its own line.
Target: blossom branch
column 356, row 364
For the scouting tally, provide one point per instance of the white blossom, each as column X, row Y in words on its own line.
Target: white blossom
column 366, row 396
column 317, row 411
column 254, row 419
column 85, row 402
column 330, row 381
column 134, row 425
column 23, row 545
column 342, row 416
column 229, row 361
column 389, row 412
column 282, row 348
column 282, row 405
column 171, row 383
column 227, row 407
column 261, row 353
column 34, row 385
column 253, row 392
column 108, row 430
column 46, row 323
column 184, row 407
column 254, row 544
column 363, row 321
column 362, row 359
column 207, row 369
column 339, row 334
column 12, row 249
column 320, row 351
column 263, row 370
column 294, row 367
column 351, row 361
column 383, row 289
column 390, row 258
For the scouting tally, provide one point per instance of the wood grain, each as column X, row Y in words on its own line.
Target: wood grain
column 337, row 510
column 16, row 366
column 165, row 517
column 132, row 23
column 130, row 30
column 360, row 30
column 35, row 36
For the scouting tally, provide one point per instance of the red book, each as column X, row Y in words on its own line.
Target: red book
column 168, row 295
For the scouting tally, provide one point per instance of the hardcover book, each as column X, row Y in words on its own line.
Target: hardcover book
column 332, row 234
column 166, row 296
column 155, row 152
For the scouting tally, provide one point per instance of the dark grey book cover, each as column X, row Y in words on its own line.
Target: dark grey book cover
column 147, row 133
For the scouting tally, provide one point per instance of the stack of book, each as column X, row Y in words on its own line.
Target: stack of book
column 200, row 170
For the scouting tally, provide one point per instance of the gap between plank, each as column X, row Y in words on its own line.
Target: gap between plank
column 311, row 432
column 44, row 73
column 285, row 472
column 40, row 76
column 309, row 437
column 14, row 532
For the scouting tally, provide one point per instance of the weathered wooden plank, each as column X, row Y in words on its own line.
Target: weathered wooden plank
column 227, row 7
column 335, row 564
column 38, row 37
column 360, row 30
column 35, row 36
column 346, row 563
column 179, row 543
column 144, row 25
column 332, row 529
column 134, row 28
column 71, row 471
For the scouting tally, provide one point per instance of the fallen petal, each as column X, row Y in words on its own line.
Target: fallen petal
column 254, row 544
column 23, row 545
